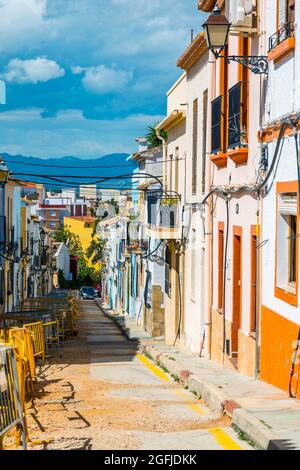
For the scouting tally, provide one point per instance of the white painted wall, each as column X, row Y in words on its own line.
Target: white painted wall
column 283, row 97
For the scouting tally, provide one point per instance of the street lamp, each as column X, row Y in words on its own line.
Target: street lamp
column 216, row 30
column 4, row 173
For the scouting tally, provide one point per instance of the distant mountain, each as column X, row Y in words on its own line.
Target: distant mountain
column 73, row 171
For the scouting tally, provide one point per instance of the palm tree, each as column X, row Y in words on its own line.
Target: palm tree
column 152, row 138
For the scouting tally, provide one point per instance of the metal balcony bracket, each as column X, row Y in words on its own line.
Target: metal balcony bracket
column 257, row 64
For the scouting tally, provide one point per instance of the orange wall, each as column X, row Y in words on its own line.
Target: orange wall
column 278, row 337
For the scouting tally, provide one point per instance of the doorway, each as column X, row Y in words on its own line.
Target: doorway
column 237, row 290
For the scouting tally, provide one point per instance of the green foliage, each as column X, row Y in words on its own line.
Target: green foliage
column 95, row 250
column 63, row 284
column 151, row 136
column 87, row 275
column 70, row 239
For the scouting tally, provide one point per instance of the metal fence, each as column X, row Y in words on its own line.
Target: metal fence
column 37, row 332
column 11, row 412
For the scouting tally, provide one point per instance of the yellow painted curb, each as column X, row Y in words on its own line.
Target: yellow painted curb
column 224, row 439
column 154, row 369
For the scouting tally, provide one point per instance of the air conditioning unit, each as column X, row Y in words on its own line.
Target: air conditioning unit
column 241, row 14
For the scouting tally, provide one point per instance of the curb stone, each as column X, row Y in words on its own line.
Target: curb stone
column 247, row 423
column 244, row 421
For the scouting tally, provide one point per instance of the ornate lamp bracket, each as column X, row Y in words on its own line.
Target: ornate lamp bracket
column 257, row 64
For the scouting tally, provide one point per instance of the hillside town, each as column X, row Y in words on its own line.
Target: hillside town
column 185, row 280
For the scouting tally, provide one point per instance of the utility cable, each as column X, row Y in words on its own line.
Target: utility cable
column 294, row 360
column 224, row 277
column 180, row 302
column 275, row 156
column 84, row 166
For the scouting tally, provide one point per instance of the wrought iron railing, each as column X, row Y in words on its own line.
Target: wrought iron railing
column 234, row 116
column 284, row 32
column 216, row 113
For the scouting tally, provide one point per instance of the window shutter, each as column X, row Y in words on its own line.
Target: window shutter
column 282, row 12
column 195, row 146
column 287, row 204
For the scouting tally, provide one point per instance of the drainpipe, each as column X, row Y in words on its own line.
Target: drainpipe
column 164, row 144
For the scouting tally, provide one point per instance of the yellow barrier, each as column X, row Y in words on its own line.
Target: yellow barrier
column 36, row 329
column 11, row 405
column 51, row 335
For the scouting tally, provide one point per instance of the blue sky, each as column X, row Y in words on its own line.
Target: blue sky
column 85, row 77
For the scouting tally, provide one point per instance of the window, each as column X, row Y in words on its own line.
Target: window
column 52, row 214
column 220, row 265
column 224, row 94
column 244, row 74
column 216, row 113
column 287, row 243
column 195, row 146
column 193, row 265
column 286, row 12
column 52, row 225
column 284, row 29
column 204, row 137
column 234, row 116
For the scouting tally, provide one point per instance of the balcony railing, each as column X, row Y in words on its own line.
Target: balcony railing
column 284, row 32
column 163, row 211
column 234, row 116
column 216, row 116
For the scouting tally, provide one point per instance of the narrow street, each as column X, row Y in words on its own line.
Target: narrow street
column 102, row 394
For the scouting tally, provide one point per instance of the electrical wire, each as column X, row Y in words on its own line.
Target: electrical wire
column 275, row 156
column 294, row 360
column 84, row 166
column 224, row 277
column 180, row 302
column 147, row 256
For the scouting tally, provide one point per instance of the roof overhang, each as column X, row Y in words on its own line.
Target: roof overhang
column 208, row 5
column 193, row 52
column 172, row 120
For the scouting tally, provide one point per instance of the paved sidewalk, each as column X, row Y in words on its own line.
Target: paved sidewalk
column 265, row 414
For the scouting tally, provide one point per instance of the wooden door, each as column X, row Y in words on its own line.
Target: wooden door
column 237, row 289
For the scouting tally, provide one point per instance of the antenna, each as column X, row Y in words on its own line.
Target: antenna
column 192, row 35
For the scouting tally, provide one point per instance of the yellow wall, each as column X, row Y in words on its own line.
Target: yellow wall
column 85, row 234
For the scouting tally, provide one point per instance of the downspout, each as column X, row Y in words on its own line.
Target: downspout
column 209, row 227
column 164, row 144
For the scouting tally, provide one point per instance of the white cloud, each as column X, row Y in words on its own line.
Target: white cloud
column 102, row 79
column 22, row 22
column 32, row 71
column 69, row 133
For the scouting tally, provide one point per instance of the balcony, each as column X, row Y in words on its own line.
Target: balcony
column 137, row 247
column 163, row 216
column 281, row 43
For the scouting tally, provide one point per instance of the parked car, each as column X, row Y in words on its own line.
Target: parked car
column 87, row 293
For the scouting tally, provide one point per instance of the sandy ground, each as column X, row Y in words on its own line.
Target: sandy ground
column 99, row 395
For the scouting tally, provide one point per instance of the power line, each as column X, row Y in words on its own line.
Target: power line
column 87, row 167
